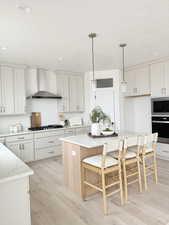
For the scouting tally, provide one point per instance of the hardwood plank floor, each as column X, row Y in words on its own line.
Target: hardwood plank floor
column 53, row 204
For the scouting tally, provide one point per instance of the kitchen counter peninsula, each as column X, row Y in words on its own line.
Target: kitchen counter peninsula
column 75, row 149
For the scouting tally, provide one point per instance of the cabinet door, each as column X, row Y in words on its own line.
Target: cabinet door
column 80, row 94
column 27, row 152
column 73, row 93
column 167, row 78
column 15, row 148
column 142, row 81
column 7, row 80
column 76, row 94
column 131, row 83
column 157, row 75
column 62, row 83
column 19, row 91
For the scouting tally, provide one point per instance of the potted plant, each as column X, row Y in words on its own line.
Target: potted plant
column 97, row 115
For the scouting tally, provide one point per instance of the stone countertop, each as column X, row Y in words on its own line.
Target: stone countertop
column 11, row 167
column 4, row 134
column 89, row 142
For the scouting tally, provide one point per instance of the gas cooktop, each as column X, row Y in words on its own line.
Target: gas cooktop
column 54, row 126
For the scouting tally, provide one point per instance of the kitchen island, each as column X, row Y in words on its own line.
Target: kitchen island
column 75, row 149
column 14, row 189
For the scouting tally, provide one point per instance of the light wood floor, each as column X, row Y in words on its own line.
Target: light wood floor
column 53, row 204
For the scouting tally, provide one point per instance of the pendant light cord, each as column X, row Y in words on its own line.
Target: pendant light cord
column 92, row 36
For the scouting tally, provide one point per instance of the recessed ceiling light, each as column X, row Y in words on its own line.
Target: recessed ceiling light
column 60, row 59
column 3, row 48
column 24, row 8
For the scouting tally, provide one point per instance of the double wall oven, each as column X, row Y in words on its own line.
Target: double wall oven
column 160, row 118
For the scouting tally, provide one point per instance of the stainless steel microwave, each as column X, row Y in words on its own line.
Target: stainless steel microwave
column 160, row 106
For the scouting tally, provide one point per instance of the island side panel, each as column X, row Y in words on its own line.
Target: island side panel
column 72, row 167
column 72, row 157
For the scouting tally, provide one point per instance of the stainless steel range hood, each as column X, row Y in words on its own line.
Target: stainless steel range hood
column 42, row 87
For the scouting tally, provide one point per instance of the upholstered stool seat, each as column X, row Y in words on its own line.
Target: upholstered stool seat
column 97, row 161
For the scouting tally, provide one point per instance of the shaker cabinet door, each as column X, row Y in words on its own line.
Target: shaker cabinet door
column 19, row 91
column 7, row 90
column 157, row 72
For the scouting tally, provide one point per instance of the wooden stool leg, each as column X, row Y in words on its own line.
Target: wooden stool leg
column 121, row 186
column 139, row 175
column 104, row 194
column 83, row 184
column 155, row 170
column 125, row 182
column 144, row 174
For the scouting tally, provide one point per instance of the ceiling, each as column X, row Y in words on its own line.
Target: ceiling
column 58, row 29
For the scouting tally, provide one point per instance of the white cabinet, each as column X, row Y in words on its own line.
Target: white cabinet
column 160, row 79
column 76, row 93
column 47, row 145
column 138, row 81
column 62, row 83
column 23, row 150
column 12, row 94
column 19, row 91
column 163, row 151
column 22, row 146
column 157, row 72
column 15, row 202
column 7, row 90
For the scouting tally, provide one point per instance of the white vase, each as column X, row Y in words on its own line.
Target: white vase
column 95, row 129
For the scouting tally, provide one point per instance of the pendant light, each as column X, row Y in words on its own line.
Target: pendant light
column 92, row 36
column 123, row 83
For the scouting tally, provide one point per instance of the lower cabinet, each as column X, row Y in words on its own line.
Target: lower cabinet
column 46, row 147
column 15, row 202
column 163, row 151
column 23, row 150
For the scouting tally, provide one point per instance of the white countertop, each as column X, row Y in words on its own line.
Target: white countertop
column 89, row 142
column 7, row 133
column 11, row 167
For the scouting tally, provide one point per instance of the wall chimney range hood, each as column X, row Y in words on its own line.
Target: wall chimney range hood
column 42, row 87
column 45, row 94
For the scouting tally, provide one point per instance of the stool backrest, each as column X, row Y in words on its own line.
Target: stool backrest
column 150, row 141
column 112, row 146
column 135, row 141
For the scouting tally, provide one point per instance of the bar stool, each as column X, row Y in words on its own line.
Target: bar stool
column 104, row 165
column 131, row 163
column 149, row 152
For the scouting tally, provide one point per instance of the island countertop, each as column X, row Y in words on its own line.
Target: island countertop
column 89, row 142
column 11, row 167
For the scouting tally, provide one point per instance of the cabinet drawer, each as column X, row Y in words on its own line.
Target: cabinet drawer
column 49, row 133
column 47, row 152
column 19, row 138
column 47, row 142
column 69, row 132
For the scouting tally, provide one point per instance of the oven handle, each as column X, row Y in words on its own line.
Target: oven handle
column 160, row 121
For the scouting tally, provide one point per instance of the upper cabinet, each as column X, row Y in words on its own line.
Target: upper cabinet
column 76, row 93
column 62, row 83
column 138, row 81
column 71, row 88
column 160, row 79
column 12, row 94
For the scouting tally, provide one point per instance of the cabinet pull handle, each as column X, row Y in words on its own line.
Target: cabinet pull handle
column 51, row 142
column 51, row 152
column 20, row 138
